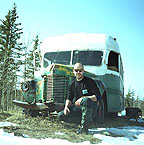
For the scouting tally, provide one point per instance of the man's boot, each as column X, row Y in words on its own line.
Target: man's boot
column 86, row 120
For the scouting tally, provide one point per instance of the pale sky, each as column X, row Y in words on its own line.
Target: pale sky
column 123, row 19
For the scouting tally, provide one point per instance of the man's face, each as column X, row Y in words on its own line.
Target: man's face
column 78, row 71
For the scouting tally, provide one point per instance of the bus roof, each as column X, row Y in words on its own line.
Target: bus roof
column 79, row 41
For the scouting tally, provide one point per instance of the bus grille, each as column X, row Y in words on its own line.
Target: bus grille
column 57, row 88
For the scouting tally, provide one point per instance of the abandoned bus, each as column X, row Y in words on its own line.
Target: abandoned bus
column 98, row 53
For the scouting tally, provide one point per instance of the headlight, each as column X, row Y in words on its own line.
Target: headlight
column 25, row 86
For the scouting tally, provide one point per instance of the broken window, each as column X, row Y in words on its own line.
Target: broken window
column 113, row 61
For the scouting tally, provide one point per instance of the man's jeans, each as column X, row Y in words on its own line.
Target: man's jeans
column 75, row 114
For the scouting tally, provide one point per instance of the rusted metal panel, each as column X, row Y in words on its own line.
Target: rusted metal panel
column 57, row 88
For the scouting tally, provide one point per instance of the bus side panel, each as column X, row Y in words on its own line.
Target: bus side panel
column 115, row 95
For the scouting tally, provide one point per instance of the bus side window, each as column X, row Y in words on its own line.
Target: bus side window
column 113, row 61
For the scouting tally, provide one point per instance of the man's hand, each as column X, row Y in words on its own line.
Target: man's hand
column 66, row 111
column 77, row 103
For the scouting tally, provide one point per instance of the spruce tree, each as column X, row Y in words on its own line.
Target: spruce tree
column 32, row 59
column 129, row 99
column 10, row 56
column 37, row 52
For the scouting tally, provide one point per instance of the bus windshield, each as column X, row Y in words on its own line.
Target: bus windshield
column 93, row 58
column 61, row 57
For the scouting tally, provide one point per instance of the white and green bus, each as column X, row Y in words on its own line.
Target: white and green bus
column 100, row 55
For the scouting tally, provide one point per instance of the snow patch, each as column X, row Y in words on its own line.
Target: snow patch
column 127, row 135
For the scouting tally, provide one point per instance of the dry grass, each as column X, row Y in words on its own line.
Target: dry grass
column 51, row 127
column 39, row 127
